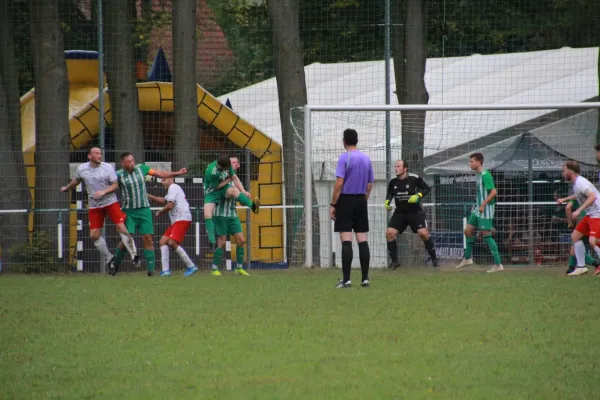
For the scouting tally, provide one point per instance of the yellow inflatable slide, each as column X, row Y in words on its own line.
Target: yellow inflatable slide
column 267, row 227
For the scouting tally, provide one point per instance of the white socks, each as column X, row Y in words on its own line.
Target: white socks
column 103, row 249
column 164, row 257
column 184, row 257
column 579, row 253
column 129, row 244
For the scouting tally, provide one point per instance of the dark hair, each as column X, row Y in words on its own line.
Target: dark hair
column 477, row 156
column 598, row 147
column 125, row 155
column 350, row 137
column 223, row 161
column 404, row 163
column 573, row 166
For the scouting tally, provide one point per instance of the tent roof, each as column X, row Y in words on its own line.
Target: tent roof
column 561, row 75
column 509, row 155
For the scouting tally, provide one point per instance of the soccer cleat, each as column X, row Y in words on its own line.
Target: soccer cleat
column 136, row 262
column 165, row 273
column 241, row 271
column 579, row 271
column 393, row 265
column 343, row 285
column 255, row 205
column 597, row 271
column 112, row 267
column 190, row 270
column 215, row 272
column 365, row 283
column 464, row 262
column 150, row 273
column 496, row 268
column 569, row 270
column 435, row 263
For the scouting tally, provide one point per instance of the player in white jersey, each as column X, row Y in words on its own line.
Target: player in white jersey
column 181, row 218
column 588, row 197
column 101, row 184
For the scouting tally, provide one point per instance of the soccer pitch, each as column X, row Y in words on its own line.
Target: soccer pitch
column 290, row 335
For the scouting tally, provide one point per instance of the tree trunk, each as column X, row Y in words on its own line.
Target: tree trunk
column 291, row 88
column 51, row 112
column 13, row 227
column 187, row 140
column 409, row 47
column 120, row 70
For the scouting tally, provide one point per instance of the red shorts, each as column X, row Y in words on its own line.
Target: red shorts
column 97, row 215
column 589, row 226
column 177, row 231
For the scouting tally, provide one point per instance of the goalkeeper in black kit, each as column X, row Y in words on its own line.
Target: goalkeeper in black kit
column 408, row 190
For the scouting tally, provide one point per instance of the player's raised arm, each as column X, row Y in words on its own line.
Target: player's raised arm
column 167, row 174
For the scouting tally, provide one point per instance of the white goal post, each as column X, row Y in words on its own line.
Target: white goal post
column 307, row 137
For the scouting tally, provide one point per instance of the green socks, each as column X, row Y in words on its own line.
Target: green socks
column 589, row 260
column 239, row 252
column 217, row 258
column 244, row 200
column 150, row 259
column 469, row 248
column 119, row 254
column 491, row 244
column 210, row 230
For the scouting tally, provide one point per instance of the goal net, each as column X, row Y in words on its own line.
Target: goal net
column 524, row 147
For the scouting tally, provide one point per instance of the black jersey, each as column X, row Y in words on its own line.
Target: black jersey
column 402, row 189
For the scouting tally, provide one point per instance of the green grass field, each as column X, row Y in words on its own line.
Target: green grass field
column 291, row 335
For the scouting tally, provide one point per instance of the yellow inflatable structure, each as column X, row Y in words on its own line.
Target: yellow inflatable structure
column 267, row 227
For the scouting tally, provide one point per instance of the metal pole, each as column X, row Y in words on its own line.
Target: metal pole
column 100, row 77
column 59, row 228
column 387, row 56
column 308, row 211
column 197, row 230
column 248, row 214
column 101, row 139
column 530, row 194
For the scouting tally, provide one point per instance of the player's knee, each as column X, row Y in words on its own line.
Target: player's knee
column 232, row 192
column 173, row 243
column 424, row 234
column 148, row 241
column 95, row 235
column 390, row 235
column 240, row 241
column 164, row 241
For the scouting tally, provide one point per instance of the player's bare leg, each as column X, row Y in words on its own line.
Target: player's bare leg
column 240, row 243
column 392, row 247
column 429, row 245
column 470, row 239
column 243, row 199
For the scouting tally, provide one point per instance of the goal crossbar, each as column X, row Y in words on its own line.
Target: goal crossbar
column 309, row 109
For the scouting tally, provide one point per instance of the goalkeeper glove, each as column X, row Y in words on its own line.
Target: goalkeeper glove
column 415, row 198
column 387, row 205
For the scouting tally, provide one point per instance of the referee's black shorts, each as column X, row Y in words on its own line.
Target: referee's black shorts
column 400, row 220
column 351, row 214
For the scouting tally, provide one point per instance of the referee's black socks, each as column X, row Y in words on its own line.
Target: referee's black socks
column 430, row 247
column 346, row 260
column 365, row 258
column 392, row 249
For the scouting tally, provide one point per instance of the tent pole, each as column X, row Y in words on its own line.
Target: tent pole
column 530, row 193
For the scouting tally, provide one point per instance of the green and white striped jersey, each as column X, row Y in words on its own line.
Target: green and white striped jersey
column 226, row 207
column 485, row 183
column 133, row 187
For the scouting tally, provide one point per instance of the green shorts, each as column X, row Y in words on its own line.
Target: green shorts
column 482, row 224
column 216, row 196
column 227, row 225
column 139, row 220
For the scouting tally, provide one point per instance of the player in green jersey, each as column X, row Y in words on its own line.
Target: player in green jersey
column 135, row 205
column 483, row 214
column 227, row 222
column 219, row 174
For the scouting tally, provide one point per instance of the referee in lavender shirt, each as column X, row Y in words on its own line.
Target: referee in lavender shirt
column 353, row 184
